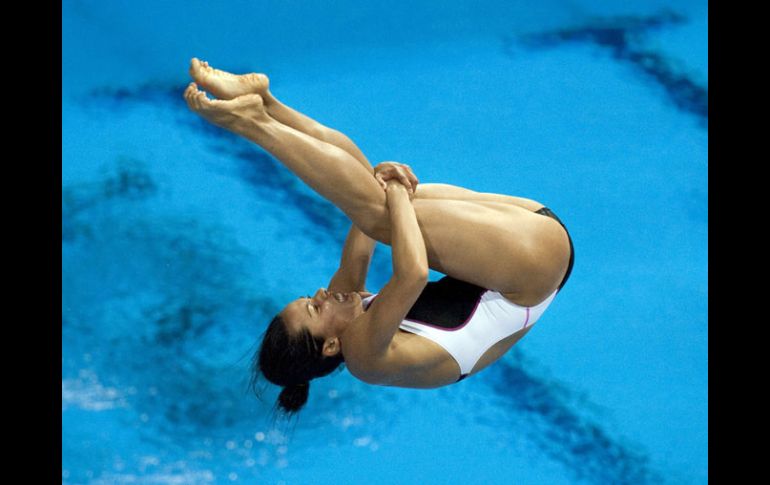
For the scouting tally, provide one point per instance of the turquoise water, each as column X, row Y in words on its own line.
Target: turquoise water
column 180, row 242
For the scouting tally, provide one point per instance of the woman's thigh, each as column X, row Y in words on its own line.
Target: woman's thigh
column 500, row 246
column 454, row 192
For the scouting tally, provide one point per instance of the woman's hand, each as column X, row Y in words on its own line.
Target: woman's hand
column 396, row 171
column 394, row 186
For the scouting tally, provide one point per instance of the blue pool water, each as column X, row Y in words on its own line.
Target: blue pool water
column 180, row 241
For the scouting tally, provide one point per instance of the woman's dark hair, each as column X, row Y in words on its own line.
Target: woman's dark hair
column 291, row 361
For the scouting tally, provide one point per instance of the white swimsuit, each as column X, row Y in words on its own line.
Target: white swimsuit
column 466, row 319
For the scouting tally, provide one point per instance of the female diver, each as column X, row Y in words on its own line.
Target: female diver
column 505, row 258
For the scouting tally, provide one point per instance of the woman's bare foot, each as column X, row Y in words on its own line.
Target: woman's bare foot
column 225, row 85
column 238, row 115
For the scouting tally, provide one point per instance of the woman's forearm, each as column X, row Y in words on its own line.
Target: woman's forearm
column 410, row 259
column 354, row 263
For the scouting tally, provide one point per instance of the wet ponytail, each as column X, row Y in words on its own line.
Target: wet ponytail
column 292, row 398
column 291, row 361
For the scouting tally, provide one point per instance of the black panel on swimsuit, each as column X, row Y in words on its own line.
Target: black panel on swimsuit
column 549, row 213
column 446, row 303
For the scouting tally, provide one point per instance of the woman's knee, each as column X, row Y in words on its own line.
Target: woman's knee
column 375, row 223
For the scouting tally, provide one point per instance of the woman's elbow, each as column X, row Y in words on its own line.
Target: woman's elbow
column 422, row 274
column 421, row 267
column 416, row 275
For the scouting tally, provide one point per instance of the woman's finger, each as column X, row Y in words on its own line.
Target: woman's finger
column 381, row 181
column 412, row 177
column 405, row 182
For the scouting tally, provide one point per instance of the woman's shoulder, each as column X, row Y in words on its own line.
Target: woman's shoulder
column 370, row 366
column 410, row 361
column 372, row 369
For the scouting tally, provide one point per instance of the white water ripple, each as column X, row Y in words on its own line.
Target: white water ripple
column 86, row 392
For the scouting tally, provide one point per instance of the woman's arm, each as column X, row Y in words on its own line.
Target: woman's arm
column 354, row 264
column 410, row 259
column 372, row 339
column 358, row 249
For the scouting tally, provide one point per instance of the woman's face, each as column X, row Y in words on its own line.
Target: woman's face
column 325, row 314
